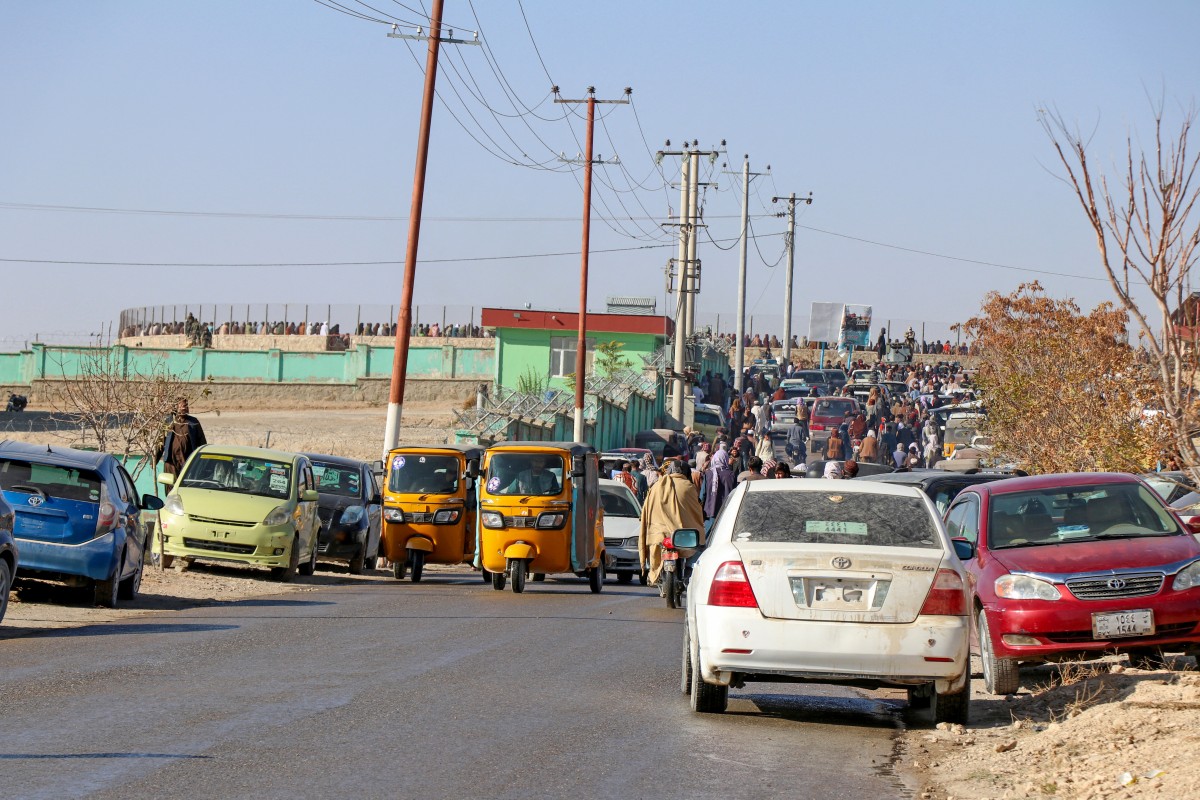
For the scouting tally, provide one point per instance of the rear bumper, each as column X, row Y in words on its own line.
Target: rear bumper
column 619, row 559
column 95, row 559
column 833, row 652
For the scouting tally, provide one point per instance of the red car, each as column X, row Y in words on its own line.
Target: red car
column 1073, row 566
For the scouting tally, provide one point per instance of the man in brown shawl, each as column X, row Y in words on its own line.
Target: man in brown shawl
column 671, row 504
column 183, row 435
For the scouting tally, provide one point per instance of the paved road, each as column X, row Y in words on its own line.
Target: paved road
column 442, row 689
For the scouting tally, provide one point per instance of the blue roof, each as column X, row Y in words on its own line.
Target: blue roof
column 53, row 454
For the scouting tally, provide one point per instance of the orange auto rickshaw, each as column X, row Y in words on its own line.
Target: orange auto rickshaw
column 539, row 513
column 429, row 505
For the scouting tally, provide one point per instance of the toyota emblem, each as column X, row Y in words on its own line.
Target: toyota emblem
column 840, row 562
column 35, row 500
column 1117, row 583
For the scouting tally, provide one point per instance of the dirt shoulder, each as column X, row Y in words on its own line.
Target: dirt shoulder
column 1094, row 730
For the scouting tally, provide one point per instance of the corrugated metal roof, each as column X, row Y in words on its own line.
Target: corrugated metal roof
column 631, row 305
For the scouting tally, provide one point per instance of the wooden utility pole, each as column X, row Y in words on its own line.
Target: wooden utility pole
column 581, row 344
column 391, row 434
column 791, row 251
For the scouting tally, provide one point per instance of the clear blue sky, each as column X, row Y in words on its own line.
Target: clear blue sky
column 913, row 124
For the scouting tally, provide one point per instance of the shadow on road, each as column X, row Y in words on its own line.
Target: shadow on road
column 19, row 756
column 856, row 711
column 116, row 629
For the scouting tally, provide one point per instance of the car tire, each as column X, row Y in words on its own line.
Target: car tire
column 707, row 698
column 5, row 586
column 359, row 561
column 668, row 589
column 920, row 696
column 518, row 570
column 165, row 560
column 310, row 566
column 538, row 577
column 417, row 562
column 685, row 665
column 498, row 581
column 952, row 708
column 596, row 579
column 129, row 588
column 288, row 573
column 1147, row 658
column 1000, row 675
column 400, row 569
column 625, row 577
column 107, row 592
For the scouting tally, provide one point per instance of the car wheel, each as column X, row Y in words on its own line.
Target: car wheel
column 498, row 580
column 538, row 577
column 5, row 586
column 417, row 557
column 359, row 561
column 920, row 696
column 310, row 566
column 668, row 589
column 706, row 697
column 400, row 569
column 129, row 588
column 625, row 577
column 287, row 573
column 518, row 568
column 107, row 592
column 954, row 708
column 165, row 560
column 1147, row 658
column 1000, row 675
column 685, row 666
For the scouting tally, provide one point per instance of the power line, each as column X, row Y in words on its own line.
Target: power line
column 330, row 4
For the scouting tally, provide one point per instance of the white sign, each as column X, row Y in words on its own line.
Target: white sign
column 825, row 322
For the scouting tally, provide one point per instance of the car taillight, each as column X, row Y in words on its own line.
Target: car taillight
column 947, row 597
column 731, row 587
column 106, row 520
column 816, row 426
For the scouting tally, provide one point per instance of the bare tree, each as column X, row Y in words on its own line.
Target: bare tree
column 1146, row 233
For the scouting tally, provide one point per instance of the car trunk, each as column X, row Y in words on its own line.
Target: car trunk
column 55, row 520
column 879, row 584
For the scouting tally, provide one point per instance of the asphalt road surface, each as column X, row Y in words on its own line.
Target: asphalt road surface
column 444, row 689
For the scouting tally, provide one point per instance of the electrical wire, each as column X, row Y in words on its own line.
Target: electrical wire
column 330, row 4
column 753, row 238
column 532, row 40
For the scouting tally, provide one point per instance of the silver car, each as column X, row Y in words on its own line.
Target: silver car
column 622, row 521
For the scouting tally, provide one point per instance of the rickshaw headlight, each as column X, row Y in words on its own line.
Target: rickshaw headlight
column 550, row 520
column 447, row 516
column 492, row 519
column 393, row 514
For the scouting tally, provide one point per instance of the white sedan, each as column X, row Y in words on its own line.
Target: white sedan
column 826, row 581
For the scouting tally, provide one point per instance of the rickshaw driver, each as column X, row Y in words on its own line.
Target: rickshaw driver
column 535, row 480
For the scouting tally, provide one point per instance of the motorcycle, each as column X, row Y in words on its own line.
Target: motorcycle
column 678, row 551
column 17, row 402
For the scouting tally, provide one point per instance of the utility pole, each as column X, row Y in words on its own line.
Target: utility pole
column 391, row 434
column 739, row 366
column 791, row 251
column 689, row 282
column 581, row 344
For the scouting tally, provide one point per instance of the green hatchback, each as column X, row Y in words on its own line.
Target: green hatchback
column 243, row 504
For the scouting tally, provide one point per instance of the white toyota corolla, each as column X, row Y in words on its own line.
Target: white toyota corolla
column 827, row 581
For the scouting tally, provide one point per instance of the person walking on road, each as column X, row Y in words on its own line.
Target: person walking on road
column 182, row 436
column 720, row 480
column 671, row 504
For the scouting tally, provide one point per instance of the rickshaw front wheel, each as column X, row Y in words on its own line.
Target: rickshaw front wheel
column 519, row 570
column 596, row 579
column 417, row 557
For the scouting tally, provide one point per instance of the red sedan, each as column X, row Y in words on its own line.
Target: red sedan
column 1072, row 566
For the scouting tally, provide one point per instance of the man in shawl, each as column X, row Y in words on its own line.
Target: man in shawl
column 720, row 480
column 183, row 435
column 671, row 504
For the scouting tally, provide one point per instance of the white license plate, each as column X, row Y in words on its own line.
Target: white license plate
column 1123, row 623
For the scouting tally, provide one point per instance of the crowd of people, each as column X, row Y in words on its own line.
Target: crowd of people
column 772, row 342
column 199, row 334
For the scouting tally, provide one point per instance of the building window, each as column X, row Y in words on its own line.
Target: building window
column 562, row 355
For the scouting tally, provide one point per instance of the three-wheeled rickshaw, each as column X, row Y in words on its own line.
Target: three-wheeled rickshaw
column 539, row 513
column 429, row 506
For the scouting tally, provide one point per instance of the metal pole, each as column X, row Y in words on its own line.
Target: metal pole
column 693, row 263
column 391, row 434
column 739, row 364
column 581, row 344
column 681, row 298
column 787, row 291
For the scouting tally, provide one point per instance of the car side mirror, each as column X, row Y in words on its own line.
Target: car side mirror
column 1193, row 524
column 963, row 548
column 151, row 503
column 166, row 479
column 310, row 496
column 686, row 537
column 577, row 467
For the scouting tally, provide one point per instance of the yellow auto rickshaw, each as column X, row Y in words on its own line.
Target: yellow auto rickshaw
column 539, row 513
column 429, row 506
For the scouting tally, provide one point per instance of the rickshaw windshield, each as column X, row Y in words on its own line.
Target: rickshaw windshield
column 525, row 474
column 423, row 474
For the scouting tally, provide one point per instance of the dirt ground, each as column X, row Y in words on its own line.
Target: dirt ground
column 1097, row 729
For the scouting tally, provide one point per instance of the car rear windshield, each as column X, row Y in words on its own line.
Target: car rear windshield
column 242, row 474
column 617, row 502
column 705, row 417
column 337, row 479
column 1067, row 514
column 53, row 480
column 423, row 474
column 834, row 406
column 809, row 376
column 806, row 517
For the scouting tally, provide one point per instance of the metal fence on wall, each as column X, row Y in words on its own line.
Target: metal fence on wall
column 304, row 317
column 725, row 324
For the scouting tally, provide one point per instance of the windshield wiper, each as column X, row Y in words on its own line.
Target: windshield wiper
column 1129, row 535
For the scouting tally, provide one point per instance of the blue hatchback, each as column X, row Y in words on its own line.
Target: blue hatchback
column 77, row 518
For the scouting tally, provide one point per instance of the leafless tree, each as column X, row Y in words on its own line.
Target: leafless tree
column 1147, row 234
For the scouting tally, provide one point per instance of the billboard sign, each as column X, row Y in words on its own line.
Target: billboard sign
column 825, row 322
column 855, row 327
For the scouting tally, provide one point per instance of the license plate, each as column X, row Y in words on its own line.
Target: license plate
column 1123, row 623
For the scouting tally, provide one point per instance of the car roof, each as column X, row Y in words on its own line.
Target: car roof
column 929, row 477
column 1035, row 482
column 248, row 452
column 840, row 487
column 340, row 461
column 53, row 454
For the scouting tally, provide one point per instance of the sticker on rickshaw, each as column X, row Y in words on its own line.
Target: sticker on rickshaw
column 398, row 462
column 493, row 483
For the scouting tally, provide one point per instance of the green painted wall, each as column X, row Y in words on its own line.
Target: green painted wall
column 522, row 351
